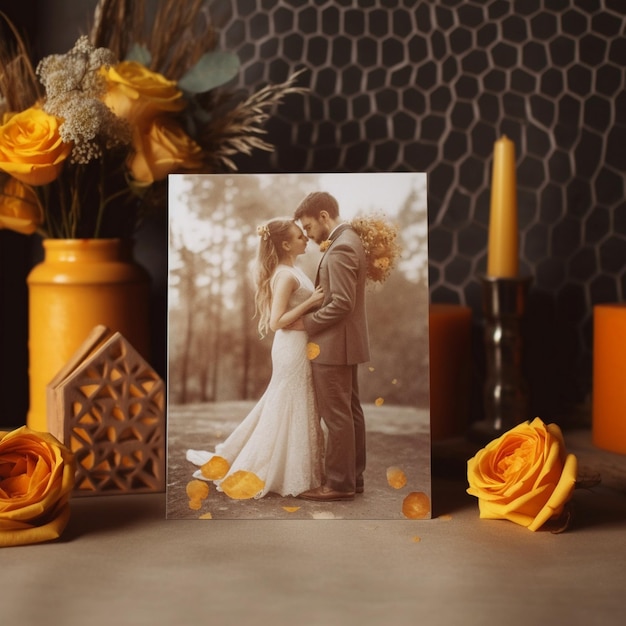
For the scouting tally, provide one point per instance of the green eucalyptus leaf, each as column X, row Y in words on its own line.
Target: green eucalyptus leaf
column 212, row 70
column 139, row 54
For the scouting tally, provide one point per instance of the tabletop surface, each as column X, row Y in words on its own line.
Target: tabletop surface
column 121, row 562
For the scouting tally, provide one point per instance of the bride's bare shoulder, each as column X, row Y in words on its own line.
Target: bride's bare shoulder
column 284, row 276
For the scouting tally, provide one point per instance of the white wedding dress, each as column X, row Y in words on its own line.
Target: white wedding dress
column 281, row 439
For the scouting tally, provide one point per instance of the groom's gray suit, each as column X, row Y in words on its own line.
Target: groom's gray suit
column 339, row 328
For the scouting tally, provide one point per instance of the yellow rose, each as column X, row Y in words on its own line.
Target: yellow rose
column 162, row 149
column 524, row 476
column 137, row 94
column 31, row 149
column 19, row 207
column 36, row 481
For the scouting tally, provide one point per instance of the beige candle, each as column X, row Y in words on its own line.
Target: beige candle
column 502, row 259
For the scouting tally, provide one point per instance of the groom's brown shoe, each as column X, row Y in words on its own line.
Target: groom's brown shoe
column 326, row 494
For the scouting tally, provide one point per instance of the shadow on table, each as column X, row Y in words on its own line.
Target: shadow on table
column 104, row 514
column 597, row 506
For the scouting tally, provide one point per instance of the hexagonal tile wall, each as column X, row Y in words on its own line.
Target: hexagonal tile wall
column 429, row 86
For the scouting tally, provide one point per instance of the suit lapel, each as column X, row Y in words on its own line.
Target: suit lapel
column 334, row 235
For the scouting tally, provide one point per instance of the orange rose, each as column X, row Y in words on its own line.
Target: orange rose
column 524, row 476
column 163, row 149
column 36, row 481
column 31, row 149
column 137, row 95
column 19, row 207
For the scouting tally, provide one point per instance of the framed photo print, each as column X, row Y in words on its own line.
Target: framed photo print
column 298, row 374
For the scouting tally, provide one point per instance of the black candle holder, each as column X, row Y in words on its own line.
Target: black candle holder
column 505, row 394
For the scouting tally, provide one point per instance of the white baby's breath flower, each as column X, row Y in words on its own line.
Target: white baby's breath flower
column 74, row 86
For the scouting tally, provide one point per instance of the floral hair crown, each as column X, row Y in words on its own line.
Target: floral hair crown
column 263, row 231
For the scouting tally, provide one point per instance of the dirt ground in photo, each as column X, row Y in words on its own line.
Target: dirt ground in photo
column 396, row 437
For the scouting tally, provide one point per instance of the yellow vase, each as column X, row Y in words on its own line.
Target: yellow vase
column 80, row 284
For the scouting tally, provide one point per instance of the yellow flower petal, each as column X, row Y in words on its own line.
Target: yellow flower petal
column 197, row 490
column 291, row 509
column 379, row 401
column 396, row 477
column 205, row 516
column 561, row 494
column 312, row 350
column 242, row 485
column 215, row 468
column 416, row 505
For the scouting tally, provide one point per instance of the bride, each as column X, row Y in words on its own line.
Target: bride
column 280, row 440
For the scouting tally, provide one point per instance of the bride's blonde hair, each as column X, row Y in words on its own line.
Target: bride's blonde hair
column 272, row 235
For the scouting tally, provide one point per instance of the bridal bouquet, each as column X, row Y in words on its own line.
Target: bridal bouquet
column 87, row 138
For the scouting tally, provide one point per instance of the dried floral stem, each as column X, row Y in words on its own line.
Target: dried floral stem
column 176, row 35
column 115, row 23
column 240, row 130
column 109, row 173
column 16, row 69
column 182, row 32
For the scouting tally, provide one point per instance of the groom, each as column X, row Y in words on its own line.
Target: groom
column 339, row 329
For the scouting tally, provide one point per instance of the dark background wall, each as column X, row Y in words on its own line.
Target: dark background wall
column 429, row 86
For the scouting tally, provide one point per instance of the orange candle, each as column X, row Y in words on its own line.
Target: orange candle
column 502, row 259
column 609, row 377
column 450, row 357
